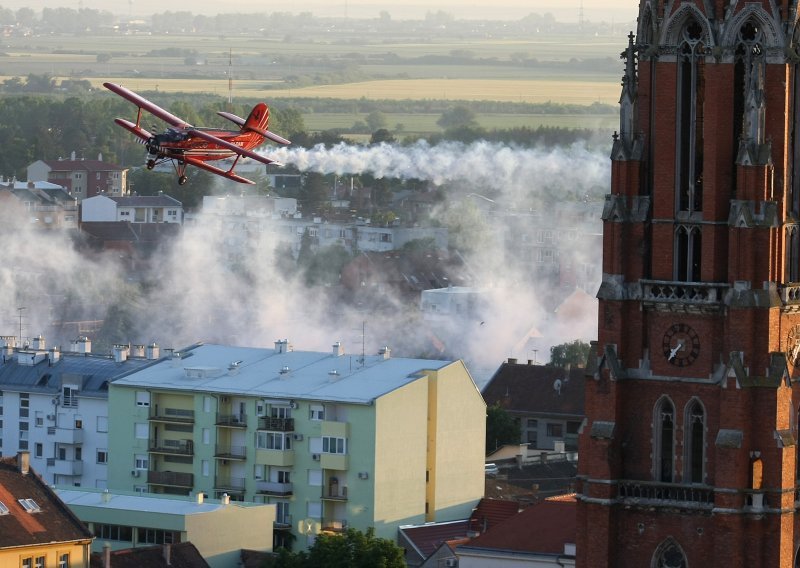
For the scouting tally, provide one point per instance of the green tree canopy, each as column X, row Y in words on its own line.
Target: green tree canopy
column 573, row 353
column 501, row 428
column 352, row 549
column 457, row 117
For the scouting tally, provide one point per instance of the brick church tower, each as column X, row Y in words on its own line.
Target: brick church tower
column 688, row 454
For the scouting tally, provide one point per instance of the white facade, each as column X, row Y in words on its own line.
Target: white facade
column 450, row 303
column 143, row 209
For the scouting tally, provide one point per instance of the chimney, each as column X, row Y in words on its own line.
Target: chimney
column 338, row 350
column 120, row 353
column 282, row 346
column 105, row 496
column 55, row 355
column 167, row 550
column 512, row 360
column 138, row 351
column 24, row 461
column 386, row 352
column 106, row 555
column 226, row 499
column 38, row 343
column 152, row 352
column 81, row 345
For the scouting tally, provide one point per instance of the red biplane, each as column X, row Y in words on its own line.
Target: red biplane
column 185, row 145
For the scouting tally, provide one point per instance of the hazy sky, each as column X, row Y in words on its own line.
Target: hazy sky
column 594, row 10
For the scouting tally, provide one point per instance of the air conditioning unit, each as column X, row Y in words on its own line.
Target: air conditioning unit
column 51, row 416
column 293, row 405
column 363, row 475
column 315, row 457
column 298, row 437
column 135, row 472
column 451, row 562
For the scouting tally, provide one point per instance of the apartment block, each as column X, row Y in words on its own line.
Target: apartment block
column 333, row 440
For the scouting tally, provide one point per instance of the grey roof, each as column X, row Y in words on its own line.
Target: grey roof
column 170, row 505
column 147, row 201
column 94, row 372
column 301, row 375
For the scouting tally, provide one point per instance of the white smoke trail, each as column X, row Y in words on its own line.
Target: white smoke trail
column 485, row 164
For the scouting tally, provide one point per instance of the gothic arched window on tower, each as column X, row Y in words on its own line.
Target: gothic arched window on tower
column 694, row 430
column 664, row 440
column 792, row 253
column 669, row 554
column 749, row 76
column 688, row 253
column 691, row 96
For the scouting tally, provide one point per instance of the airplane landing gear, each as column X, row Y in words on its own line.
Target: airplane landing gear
column 151, row 164
column 182, row 180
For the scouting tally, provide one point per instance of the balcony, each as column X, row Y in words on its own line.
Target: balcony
column 274, row 488
column 334, row 525
column 276, row 424
column 701, row 297
column 283, row 522
column 66, row 467
column 172, row 416
column 65, row 435
column 334, row 493
column 333, row 461
column 335, row 429
column 170, row 478
column 283, row 458
column 231, row 420
column 173, row 447
column 666, row 494
column 229, row 484
column 226, row 452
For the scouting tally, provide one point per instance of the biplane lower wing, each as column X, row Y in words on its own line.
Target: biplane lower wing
column 233, row 147
column 140, row 132
column 219, row 171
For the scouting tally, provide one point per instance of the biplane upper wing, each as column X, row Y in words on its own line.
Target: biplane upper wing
column 219, row 171
column 143, row 103
column 241, row 122
column 232, row 147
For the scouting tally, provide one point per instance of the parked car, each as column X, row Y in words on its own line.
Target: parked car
column 490, row 469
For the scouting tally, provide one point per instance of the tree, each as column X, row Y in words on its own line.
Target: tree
column 376, row 120
column 501, row 428
column 573, row 353
column 457, row 117
column 352, row 549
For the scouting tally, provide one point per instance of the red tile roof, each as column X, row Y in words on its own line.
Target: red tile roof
column 183, row 555
column 427, row 538
column 54, row 523
column 541, row 528
column 491, row 512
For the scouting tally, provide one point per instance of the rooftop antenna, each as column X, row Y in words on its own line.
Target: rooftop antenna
column 20, row 310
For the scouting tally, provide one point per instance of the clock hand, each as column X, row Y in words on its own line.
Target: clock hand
column 675, row 350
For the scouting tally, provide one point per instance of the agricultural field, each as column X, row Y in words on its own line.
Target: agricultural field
column 344, row 65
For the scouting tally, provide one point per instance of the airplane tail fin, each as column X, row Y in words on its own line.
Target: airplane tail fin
column 258, row 122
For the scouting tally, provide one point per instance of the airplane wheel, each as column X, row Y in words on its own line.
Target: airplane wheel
column 182, row 180
column 151, row 164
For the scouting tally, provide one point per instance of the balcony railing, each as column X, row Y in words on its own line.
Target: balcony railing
column 700, row 294
column 230, row 452
column 334, row 525
column 274, row 488
column 178, row 447
column 276, row 424
column 232, row 420
column 283, row 522
column 654, row 493
column 229, row 483
column 335, row 493
column 172, row 478
column 174, row 415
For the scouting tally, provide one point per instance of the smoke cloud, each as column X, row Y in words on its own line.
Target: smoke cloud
column 213, row 285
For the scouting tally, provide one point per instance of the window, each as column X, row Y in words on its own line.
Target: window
column 284, row 476
column 141, row 461
column 273, row 441
column 27, row 562
column 78, row 453
column 314, row 509
column 669, row 555
column 664, row 440
column 555, row 430
column 63, row 560
column 141, row 431
column 690, row 99
column 331, row 445
column 38, row 449
column 158, row 536
column 316, row 412
column 205, row 468
column 38, row 418
column 315, row 478
column 113, row 532
column 30, row 505
column 206, row 436
column 694, row 429
column 282, row 512
column 3, row 508
column 688, row 253
column 259, row 471
column 69, row 397
column 142, row 398
column 39, row 561
column 24, row 405
column 102, row 456
column 78, row 423
column 102, row 423
column 280, row 411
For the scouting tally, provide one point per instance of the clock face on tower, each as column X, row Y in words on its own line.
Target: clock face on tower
column 681, row 344
column 793, row 345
